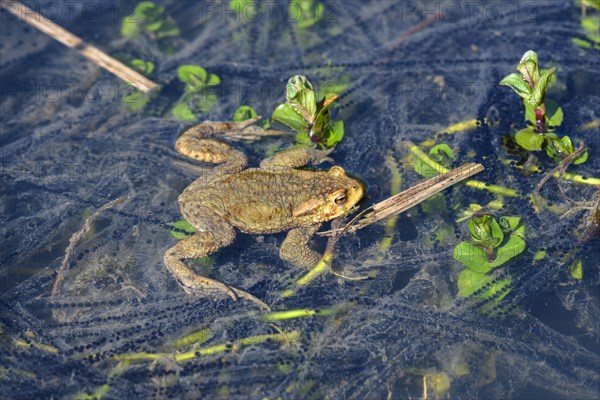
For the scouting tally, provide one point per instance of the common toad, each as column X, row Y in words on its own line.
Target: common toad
column 275, row 197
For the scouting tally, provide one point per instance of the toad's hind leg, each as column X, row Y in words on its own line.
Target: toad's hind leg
column 200, row 245
column 295, row 247
column 295, row 157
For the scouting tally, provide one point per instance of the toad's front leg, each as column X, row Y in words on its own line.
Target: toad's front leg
column 200, row 245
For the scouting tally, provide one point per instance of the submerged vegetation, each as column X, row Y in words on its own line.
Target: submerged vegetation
column 199, row 96
column 492, row 244
column 309, row 118
column 149, row 19
column 531, row 84
column 590, row 25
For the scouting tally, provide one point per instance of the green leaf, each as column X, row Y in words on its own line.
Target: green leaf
column 287, row 116
column 336, row 134
column 474, row 257
column 149, row 17
column 512, row 248
column 540, row 255
column 552, row 79
column 530, row 140
column 594, row 38
column 528, row 67
column 559, row 148
column 144, row 67
column 243, row 113
column 213, row 80
column 148, row 11
column 306, row 13
column 554, row 113
column 153, row 27
column 511, row 224
column 182, row 111
column 581, row 43
column 516, row 83
column 529, row 112
column 485, row 231
column 193, row 75
column 425, row 170
column 442, row 153
column 324, row 107
column 295, row 85
column 470, row 282
column 576, row 270
column 593, row 4
column 303, row 139
column 321, row 128
column 136, row 100
column 591, row 24
column 130, row 27
column 539, row 92
column 182, row 229
column 169, row 28
column 581, row 159
column 301, row 97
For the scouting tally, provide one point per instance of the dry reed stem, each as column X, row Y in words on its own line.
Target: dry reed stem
column 408, row 198
column 92, row 53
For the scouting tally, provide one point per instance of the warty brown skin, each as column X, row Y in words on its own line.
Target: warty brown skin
column 273, row 198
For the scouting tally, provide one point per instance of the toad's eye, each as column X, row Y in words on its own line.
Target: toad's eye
column 340, row 199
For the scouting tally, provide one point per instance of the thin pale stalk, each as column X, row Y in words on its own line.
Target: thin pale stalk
column 90, row 52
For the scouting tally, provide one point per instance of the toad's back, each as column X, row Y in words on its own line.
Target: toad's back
column 259, row 200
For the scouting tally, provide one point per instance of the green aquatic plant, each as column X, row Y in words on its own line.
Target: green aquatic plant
column 441, row 154
column 493, row 242
column 531, row 84
column 244, row 113
column 576, row 270
column 136, row 99
column 305, row 13
column 199, row 96
column 590, row 25
column 149, row 19
column 310, row 119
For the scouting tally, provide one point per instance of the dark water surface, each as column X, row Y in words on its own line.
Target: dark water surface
column 69, row 145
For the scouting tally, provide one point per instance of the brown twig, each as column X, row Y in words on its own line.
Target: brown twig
column 92, row 53
column 75, row 238
column 561, row 167
column 408, row 198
